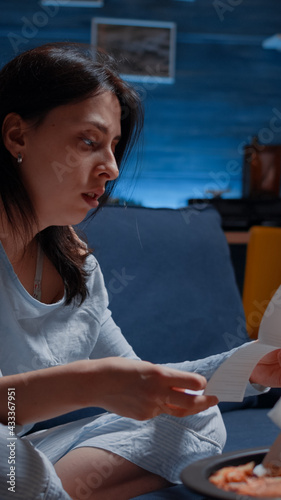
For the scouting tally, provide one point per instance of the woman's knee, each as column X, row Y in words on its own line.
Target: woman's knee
column 209, row 425
column 213, row 427
column 25, row 472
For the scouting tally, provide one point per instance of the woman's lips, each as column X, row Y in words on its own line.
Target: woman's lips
column 91, row 199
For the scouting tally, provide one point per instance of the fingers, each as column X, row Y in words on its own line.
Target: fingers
column 191, row 381
column 180, row 404
column 185, row 380
column 198, row 404
column 175, row 393
column 193, row 403
column 188, row 405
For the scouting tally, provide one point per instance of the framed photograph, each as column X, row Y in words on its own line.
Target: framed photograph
column 262, row 171
column 74, row 3
column 144, row 50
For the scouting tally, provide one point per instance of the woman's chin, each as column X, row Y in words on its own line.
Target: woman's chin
column 69, row 220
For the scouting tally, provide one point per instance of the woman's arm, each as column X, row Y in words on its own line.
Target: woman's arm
column 41, row 394
column 111, row 342
column 131, row 388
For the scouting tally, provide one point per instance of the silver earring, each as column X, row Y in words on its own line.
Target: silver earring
column 19, row 160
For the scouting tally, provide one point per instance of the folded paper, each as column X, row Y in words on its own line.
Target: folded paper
column 230, row 380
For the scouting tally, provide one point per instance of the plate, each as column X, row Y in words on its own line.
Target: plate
column 196, row 475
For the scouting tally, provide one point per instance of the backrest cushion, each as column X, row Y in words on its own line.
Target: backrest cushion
column 170, row 280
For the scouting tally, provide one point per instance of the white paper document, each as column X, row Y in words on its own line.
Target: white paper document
column 230, row 380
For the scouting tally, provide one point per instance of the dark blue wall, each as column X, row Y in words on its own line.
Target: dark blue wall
column 227, row 87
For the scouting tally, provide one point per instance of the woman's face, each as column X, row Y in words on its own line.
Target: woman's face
column 69, row 157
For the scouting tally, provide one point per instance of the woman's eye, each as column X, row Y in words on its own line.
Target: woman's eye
column 89, row 142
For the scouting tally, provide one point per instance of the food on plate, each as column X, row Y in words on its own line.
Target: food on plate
column 249, row 479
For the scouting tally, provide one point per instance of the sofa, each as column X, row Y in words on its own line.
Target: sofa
column 173, row 291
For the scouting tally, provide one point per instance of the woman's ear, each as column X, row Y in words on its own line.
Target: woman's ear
column 13, row 134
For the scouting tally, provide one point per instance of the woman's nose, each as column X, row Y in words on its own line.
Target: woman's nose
column 108, row 167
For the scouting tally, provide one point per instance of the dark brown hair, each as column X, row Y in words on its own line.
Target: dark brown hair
column 32, row 84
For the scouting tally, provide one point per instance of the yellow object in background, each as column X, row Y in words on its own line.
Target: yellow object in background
column 262, row 274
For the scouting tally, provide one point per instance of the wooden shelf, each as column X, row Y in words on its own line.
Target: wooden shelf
column 240, row 214
column 237, row 237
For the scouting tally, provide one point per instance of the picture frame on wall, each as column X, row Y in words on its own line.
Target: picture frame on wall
column 262, row 171
column 144, row 50
column 74, row 3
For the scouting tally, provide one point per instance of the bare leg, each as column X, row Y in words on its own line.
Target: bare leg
column 96, row 474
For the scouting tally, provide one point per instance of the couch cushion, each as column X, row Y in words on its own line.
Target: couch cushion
column 170, row 280
column 179, row 492
column 249, row 428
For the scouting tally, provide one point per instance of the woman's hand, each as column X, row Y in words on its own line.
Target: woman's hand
column 268, row 371
column 131, row 388
column 142, row 390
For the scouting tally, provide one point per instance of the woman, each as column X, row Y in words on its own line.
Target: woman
column 67, row 125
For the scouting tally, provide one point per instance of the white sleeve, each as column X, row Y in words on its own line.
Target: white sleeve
column 111, row 341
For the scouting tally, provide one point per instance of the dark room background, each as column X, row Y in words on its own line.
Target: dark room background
column 226, row 90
